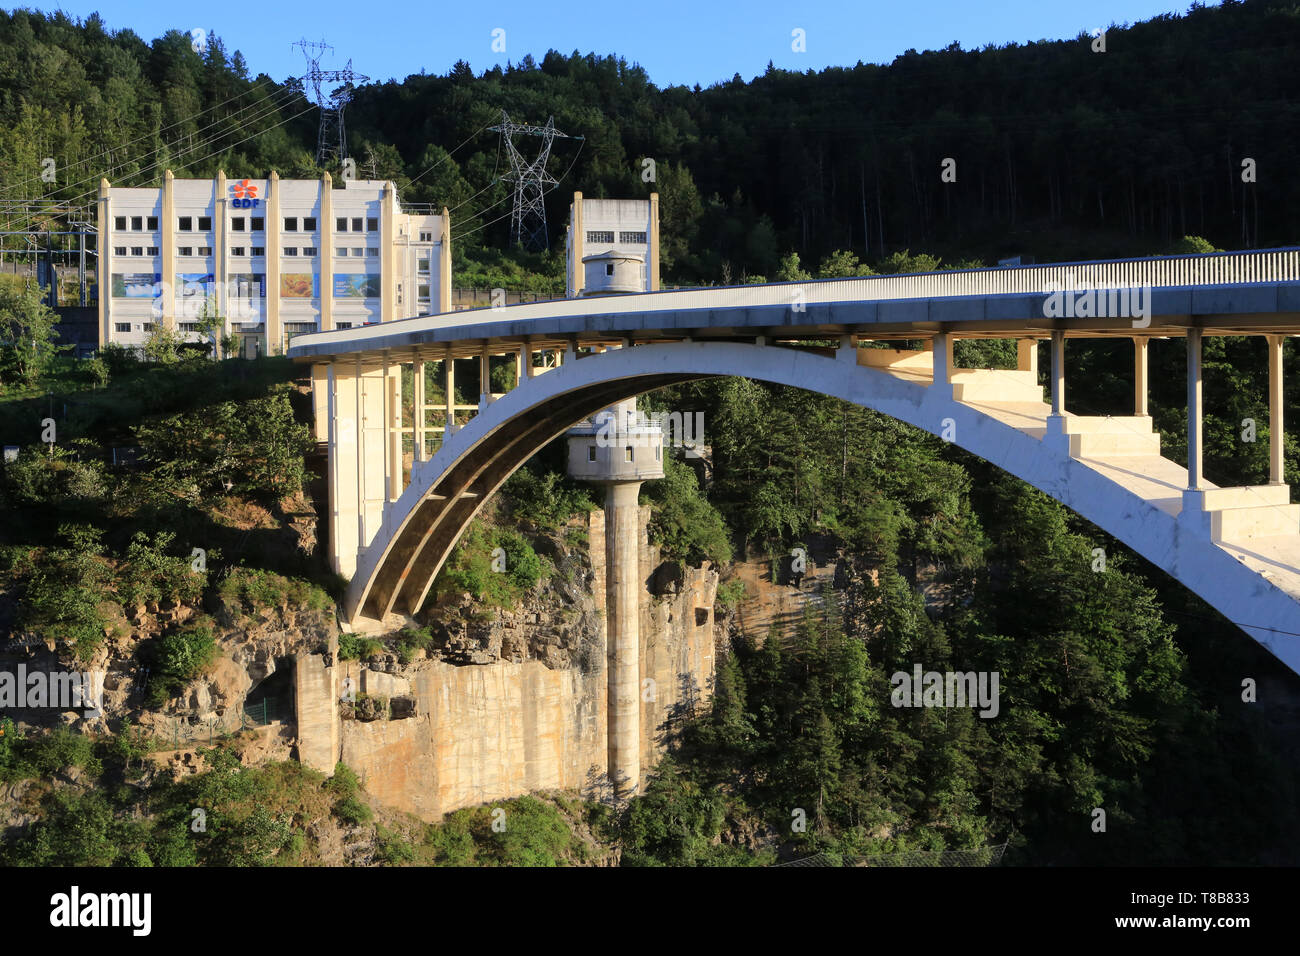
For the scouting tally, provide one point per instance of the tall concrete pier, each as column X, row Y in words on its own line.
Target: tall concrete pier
column 617, row 451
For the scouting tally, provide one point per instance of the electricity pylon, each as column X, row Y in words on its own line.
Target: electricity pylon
column 331, row 139
column 528, row 220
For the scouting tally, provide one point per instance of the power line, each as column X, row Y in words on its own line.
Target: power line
column 162, row 130
column 447, row 157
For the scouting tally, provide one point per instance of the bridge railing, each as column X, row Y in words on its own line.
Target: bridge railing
column 1211, row 269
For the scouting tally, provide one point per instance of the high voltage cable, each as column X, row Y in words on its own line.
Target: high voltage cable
column 184, row 152
column 265, row 109
column 164, row 129
column 448, row 156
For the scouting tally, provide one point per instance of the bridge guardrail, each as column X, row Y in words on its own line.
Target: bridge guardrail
column 1209, row 269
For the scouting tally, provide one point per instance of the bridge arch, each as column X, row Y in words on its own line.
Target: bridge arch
column 419, row 530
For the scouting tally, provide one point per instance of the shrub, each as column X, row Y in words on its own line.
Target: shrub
column 353, row 811
column 177, row 659
column 353, row 647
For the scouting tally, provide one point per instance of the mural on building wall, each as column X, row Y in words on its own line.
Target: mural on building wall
column 136, row 285
column 356, row 286
column 299, row 285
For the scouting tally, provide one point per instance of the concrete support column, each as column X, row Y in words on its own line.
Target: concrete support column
column 1027, row 355
column 393, row 426
column 1194, row 410
column 449, row 383
column 1141, row 387
column 848, row 350
column 484, row 378
column 622, row 634
column 941, row 348
column 525, row 368
column 1058, row 373
column 417, row 418
column 1276, row 425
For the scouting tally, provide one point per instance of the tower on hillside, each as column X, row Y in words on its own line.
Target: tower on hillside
column 531, row 180
column 331, row 137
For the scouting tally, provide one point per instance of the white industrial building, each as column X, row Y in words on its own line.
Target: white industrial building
column 274, row 258
column 612, row 246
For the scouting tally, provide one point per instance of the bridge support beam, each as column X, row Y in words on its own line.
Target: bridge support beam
column 1276, row 425
column 1027, row 355
column 417, row 416
column 941, row 347
column 1195, row 414
column 1056, row 436
column 484, row 377
column 1141, row 389
column 622, row 634
column 449, row 383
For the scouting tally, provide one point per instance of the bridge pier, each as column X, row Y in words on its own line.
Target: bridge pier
column 616, row 451
column 623, row 634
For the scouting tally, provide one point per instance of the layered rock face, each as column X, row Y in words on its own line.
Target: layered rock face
column 520, row 703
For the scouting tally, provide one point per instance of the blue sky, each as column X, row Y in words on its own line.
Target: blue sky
column 675, row 41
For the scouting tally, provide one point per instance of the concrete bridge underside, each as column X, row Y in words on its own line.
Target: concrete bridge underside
column 1239, row 549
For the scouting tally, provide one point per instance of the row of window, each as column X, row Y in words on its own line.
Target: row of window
column 596, row 236
column 251, row 224
column 242, row 251
column 292, row 327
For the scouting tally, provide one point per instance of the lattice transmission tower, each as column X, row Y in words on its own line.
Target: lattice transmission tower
column 531, row 179
column 331, row 139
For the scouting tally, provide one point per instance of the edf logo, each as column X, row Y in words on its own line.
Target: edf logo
column 245, row 195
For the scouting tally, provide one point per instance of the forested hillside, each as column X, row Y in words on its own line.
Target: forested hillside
column 1061, row 152
column 1121, row 690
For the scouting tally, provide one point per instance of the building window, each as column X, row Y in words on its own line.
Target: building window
column 137, row 250
column 205, row 223
column 119, row 250
column 237, row 251
column 137, row 223
column 372, row 225
column 422, row 265
column 627, row 453
column 310, row 251
column 152, row 251
column 237, row 223
column 426, row 237
column 185, row 251
column 185, row 224
column 189, row 327
column 259, row 250
column 290, row 250
column 290, row 223
column 341, row 224
column 122, row 326
column 205, row 250
column 591, row 453
column 342, row 325
column 422, row 292
column 119, row 223
column 152, row 223
column 600, row 236
column 609, row 268
column 371, row 253
column 297, row 328
column 356, row 224
column 147, row 327
column 658, row 450
column 257, row 224
column 341, row 251
column 309, row 224
column 638, row 237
